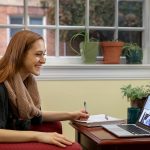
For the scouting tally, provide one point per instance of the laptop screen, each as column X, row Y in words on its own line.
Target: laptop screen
column 144, row 119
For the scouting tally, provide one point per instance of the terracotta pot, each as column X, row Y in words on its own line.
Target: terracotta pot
column 111, row 51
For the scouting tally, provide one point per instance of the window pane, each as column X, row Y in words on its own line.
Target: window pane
column 131, row 36
column 37, row 21
column 72, row 12
column 15, row 20
column 130, row 14
column 10, row 7
column 42, row 8
column 65, row 48
column 102, row 35
column 102, row 12
column 50, row 41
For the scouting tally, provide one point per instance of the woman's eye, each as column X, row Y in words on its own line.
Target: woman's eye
column 40, row 54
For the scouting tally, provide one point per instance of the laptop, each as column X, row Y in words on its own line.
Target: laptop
column 141, row 128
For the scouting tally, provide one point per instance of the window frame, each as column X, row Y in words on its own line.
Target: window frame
column 58, row 27
column 69, row 68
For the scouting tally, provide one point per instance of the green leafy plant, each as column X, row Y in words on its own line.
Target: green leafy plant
column 133, row 53
column 135, row 93
column 88, row 47
column 82, row 34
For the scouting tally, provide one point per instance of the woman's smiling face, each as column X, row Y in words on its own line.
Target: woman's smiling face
column 34, row 59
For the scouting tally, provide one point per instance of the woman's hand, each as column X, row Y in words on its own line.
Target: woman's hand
column 53, row 138
column 79, row 115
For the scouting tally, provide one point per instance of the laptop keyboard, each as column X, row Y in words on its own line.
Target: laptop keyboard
column 133, row 129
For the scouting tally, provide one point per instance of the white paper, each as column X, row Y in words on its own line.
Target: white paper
column 99, row 118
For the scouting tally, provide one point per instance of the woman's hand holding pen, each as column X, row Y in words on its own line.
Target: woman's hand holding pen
column 79, row 115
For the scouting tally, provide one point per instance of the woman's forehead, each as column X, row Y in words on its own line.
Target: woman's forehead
column 38, row 45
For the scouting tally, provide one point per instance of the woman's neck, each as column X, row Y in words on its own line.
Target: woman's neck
column 23, row 74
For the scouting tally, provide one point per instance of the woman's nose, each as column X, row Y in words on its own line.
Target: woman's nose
column 43, row 59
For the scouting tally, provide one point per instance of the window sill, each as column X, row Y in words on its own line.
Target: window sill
column 94, row 72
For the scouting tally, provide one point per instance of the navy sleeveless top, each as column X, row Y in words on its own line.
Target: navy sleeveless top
column 7, row 119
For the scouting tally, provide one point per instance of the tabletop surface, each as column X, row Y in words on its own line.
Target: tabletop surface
column 101, row 136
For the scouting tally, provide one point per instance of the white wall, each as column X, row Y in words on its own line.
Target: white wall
column 101, row 96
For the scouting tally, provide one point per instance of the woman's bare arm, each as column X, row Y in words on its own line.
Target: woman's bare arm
column 34, row 136
column 17, row 136
column 60, row 116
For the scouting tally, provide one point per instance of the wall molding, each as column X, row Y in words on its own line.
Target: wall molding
column 95, row 72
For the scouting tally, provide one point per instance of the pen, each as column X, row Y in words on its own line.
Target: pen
column 85, row 106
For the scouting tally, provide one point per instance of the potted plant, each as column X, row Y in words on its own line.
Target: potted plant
column 133, row 53
column 137, row 96
column 88, row 47
column 111, row 51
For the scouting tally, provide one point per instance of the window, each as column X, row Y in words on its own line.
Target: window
column 15, row 20
column 58, row 20
column 32, row 21
column 37, row 21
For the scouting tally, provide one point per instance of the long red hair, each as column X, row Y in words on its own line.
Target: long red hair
column 17, row 48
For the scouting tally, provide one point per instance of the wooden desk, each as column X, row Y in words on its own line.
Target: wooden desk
column 98, row 138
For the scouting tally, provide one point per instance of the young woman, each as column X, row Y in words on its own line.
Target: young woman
column 19, row 96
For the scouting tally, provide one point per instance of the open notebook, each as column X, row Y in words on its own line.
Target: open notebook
column 141, row 128
column 98, row 120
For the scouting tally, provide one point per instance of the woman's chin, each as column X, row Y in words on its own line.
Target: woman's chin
column 36, row 73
